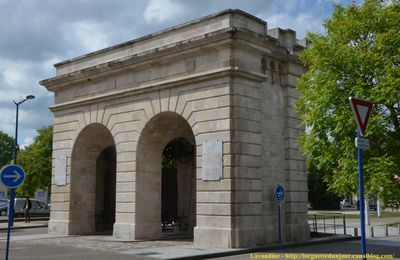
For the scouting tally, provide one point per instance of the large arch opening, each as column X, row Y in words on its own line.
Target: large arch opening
column 165, row 178
column 177, row 186
column 93, row 181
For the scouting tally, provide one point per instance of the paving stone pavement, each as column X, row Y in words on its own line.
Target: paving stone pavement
column 146, row 249
column 107, row 243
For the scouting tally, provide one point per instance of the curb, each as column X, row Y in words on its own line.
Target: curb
column 22, row 227
column 22, row 219
column 272, row 247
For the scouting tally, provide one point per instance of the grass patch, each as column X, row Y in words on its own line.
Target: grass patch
column 385, row 214
column 375, row 215
column 325, row 216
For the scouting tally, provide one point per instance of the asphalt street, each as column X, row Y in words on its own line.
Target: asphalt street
column 377, row 247
column 23, row 232
column 20, row 250
column 23, row 246
column 38, row 251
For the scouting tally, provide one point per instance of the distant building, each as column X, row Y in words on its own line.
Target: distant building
column 42, row 195
column 185, row 131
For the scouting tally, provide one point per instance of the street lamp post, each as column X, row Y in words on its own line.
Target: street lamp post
column 11, row 208
column 16, row 125
column 12, row 195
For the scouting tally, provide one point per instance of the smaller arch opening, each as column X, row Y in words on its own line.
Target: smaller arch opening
column 93, row 181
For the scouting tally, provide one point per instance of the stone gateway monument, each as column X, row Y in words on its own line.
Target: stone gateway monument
column 187, row 131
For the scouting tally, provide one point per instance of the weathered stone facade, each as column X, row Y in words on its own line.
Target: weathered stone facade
column 225, row 77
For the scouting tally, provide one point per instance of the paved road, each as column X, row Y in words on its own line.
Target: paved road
column 38, row 252
column 386, row 247
column 32, row 243
column 19, row 249
column 23, row 232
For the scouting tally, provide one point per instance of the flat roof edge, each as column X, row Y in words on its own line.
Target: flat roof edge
column 164, row 31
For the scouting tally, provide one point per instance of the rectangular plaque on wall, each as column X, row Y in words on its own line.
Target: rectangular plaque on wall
column 212, row 160
column 61, row 170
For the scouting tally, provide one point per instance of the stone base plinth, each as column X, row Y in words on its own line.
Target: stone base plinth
column 58, row 227
column 65, row 227
column 213, row 237
column 124, row 231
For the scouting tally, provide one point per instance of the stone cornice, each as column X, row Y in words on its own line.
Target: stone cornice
column 177, row 28
column 210, row 40
column 177, row 81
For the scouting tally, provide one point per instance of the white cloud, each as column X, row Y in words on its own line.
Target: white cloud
column 12, row 76
column 89, row 36
column 27, row 141
column 13, row 73
column 301, row 23
column 159, row 11
column 19, row 78
column 8, row 119
column 290, row 6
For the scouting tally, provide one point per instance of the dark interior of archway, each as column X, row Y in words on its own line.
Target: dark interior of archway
column 105, row 189
column 179, row 150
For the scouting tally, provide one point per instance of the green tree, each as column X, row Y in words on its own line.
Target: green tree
column 359, row 56
column 6, row 149
column 318, row 194
column 36, row 159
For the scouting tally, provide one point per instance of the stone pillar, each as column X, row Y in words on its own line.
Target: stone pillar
column 297, row 228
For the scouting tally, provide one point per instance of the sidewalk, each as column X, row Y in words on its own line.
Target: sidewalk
column 147, row 249
column 150, row 249
column 142, row 249
column 18, row 224
column 378, row 227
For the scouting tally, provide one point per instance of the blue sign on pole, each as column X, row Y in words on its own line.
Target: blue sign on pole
column 279, row 193
column 361, row 199
column 12, row 176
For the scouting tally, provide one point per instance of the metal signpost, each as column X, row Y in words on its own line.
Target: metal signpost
column 280, row 195
column 362, row 111
column 11, row 176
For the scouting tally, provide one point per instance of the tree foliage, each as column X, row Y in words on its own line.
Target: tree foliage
column 36, row 160
column 6, row 149
column 359, row 56
column 318, row 194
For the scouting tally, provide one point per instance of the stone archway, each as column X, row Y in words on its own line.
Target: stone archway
column 209, row 75
column 162, row 130
column 93, row 180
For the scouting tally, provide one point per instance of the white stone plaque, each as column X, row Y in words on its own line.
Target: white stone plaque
column 61, row 170
column 212, row 160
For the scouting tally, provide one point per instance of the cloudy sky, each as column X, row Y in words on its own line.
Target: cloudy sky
column 35, row 34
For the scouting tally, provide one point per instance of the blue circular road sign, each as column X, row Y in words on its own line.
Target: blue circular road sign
column 12, row 176
column 279, row 193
